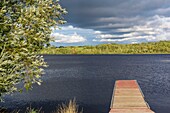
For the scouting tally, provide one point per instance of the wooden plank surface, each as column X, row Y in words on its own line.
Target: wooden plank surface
column 128, row 98
column 137, row 110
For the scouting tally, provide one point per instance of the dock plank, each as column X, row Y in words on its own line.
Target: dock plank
column 137, row 110
column 128, row 98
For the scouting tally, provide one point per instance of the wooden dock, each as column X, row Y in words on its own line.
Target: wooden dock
column 128, row 98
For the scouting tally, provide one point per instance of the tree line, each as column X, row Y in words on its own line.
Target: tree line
column 162, row 47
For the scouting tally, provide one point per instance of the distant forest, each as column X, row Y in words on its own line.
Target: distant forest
column 162, row 47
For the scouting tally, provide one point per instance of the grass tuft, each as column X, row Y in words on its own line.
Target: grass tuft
column 32, row 110
column 72, row 107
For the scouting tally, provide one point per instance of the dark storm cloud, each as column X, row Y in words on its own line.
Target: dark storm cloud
column 84, row 13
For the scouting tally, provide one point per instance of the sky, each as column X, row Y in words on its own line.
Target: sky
column 92, row 22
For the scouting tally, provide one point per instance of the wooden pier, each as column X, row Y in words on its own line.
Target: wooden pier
column 128, row 98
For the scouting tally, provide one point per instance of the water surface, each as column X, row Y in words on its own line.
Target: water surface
column 90, row 79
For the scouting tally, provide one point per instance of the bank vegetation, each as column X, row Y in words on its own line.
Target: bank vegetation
column 162, row 47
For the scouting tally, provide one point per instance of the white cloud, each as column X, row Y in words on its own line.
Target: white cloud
column 124, row 30
column 68, row 28
column 162, row 10
column 105, row 36
column 97, row 32
column 155, row 28
column 111, row 25
column 73, row 38
column 140, row 28
column 70, row 34
column 119, row 19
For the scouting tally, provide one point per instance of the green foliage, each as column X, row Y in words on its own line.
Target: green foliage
column 24, row 31
column 162, row 47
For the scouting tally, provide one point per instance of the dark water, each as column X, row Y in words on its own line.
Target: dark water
column 90, row 79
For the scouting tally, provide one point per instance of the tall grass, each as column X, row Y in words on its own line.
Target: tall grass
column 72, row 107
column 32, row 110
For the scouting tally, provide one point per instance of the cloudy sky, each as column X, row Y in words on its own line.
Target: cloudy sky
column 91, row 22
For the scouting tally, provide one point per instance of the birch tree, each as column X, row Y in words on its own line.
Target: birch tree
column 25, row 28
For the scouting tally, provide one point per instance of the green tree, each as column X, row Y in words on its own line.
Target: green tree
column 25, row 27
